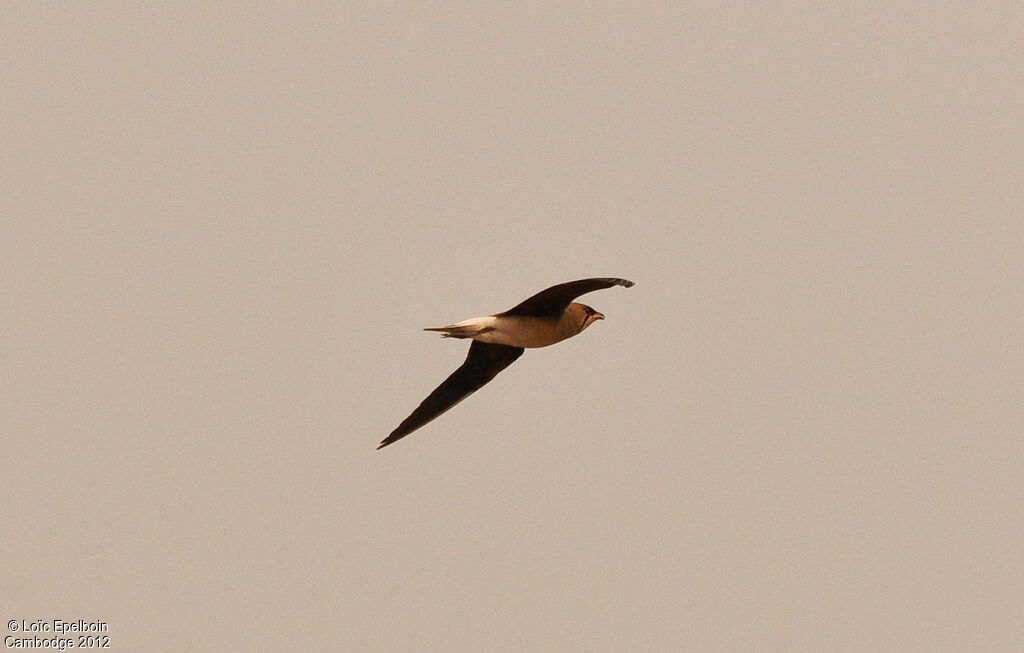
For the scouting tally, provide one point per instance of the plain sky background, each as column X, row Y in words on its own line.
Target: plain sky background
column 224, row 225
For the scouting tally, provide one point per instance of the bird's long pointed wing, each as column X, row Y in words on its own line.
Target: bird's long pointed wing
column 482, row 364
column 552, row 302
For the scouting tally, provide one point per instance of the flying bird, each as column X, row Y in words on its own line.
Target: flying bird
column 548, row 317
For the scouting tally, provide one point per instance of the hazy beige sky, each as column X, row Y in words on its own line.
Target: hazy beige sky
column 224, row 228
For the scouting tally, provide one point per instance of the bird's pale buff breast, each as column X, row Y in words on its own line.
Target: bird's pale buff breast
column 534, row 332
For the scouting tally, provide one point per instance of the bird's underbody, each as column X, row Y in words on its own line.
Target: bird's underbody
column 548, row 317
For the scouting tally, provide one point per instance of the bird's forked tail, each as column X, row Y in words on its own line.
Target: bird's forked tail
column 470, row 328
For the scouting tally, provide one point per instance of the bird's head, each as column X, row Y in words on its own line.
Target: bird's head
column 590, row 316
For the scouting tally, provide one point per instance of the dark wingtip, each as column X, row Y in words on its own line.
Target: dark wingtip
column 626, row 283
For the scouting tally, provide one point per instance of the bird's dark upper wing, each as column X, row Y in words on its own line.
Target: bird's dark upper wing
column 553, row 301
column 482, row 364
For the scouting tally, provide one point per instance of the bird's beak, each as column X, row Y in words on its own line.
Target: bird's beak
column 598, row 316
